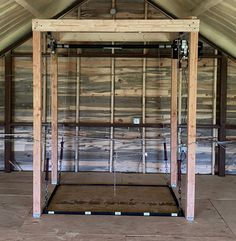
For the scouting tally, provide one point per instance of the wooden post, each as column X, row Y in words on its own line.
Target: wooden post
column 144, row 100
column 77, row 104
column 77, row 113
column 44, row 113
column 8, row 154
column 222, row 113
column 174, row 129
column 112, row 112
column 214, row 114
column 191, row 125
column 54, row 154
column 37, row 126
column 111, row 163
column 144, row 115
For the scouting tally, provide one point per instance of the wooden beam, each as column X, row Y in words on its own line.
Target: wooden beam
column 116, row 26
column 29, row 8
column 8, row 153
column 174, row 120
column 191, row 125
column 117, row 37
column 37, row 127
column 44, row 99
column 54, row 118
column 222, row 113
column 204, row 6
column 77, row 104
column 77, row 112
column 214, row 114
column 144, row 99
column 111, row 159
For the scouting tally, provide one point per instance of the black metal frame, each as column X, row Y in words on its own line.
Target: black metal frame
column 180, row 213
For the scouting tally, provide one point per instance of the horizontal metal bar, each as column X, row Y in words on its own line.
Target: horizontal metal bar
column 163, row 53
column 117, row 46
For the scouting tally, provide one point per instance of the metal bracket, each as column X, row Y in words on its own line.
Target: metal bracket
column 52, row 44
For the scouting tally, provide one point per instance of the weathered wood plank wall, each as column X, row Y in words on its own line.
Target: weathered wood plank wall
column 95, row 77
column 2, row 64
column 231, row 118
column 2, row 72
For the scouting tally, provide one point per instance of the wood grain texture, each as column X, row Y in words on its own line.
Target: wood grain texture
column 95, row 100
column 37, row 128
column 191, row 126
column 117, row 26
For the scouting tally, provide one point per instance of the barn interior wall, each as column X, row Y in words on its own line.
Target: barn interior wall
column 93, row 75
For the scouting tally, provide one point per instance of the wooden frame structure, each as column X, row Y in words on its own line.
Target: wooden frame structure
column 118, row 27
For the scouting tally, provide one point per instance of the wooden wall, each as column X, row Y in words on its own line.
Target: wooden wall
column 2, row 63
column 1, row 112
column 94, row 76
column 231, row 118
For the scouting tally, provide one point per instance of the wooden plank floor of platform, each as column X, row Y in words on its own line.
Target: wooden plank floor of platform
column 107, row 199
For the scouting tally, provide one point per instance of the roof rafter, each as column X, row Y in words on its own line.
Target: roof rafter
column 211, row 34
column 29, row 8
column 204, row 6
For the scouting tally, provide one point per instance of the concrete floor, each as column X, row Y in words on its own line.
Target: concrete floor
column 215, row 213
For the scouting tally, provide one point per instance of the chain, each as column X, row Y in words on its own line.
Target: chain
column 166, row 162
column 180, row 196
column 60, row 162
column 180, row 161
column 114, row 174
column 179, row 184
column 46, row 197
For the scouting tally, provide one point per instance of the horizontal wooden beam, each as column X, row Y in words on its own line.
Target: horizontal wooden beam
column 116, row 26
column 199, row 126
column 119, row 37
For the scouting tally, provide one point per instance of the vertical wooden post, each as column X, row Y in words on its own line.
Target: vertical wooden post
column 77, row 113
column 112, row 112
column 54, row 154
column 214, row 113
column 191, row 125
column 37, row 126
column 222, row 113
column 144, row 99
column 77, row 104
column 144, row 115
column 8, row 154
column 44, row 113
column 174, row 129
column 111, row 164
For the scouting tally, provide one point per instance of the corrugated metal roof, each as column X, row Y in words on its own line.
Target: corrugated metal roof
column 16, row 17
column 218, row 18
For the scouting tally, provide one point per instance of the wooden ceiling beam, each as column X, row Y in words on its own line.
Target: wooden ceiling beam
column 116, row 26
column 116, row 37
